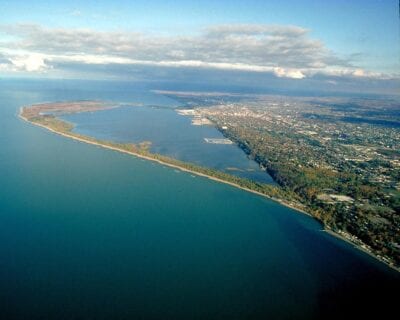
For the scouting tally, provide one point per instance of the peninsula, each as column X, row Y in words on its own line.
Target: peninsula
column 46, row 115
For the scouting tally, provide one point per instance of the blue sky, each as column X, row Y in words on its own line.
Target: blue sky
column 332, row 40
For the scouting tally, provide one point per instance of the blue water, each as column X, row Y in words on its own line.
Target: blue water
column 171, row 134
column 89, row 233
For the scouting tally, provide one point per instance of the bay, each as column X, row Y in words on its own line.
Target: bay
column 92, row 233
column 170, row 134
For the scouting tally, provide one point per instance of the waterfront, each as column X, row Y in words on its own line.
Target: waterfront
column 91, row 232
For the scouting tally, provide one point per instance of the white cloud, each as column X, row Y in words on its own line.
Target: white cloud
column 103, row 60
column 285, row 51
column 295, row 74
column 33, row 62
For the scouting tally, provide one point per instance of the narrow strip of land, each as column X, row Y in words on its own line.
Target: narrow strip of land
column 157, row 160
column 50, row 122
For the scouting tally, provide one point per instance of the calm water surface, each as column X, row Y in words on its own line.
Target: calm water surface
column 88, row 233
column 171, row 134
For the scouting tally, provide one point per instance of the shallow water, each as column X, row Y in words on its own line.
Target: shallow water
column 171, row 134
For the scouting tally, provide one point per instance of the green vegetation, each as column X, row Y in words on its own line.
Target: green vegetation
column 349, row 182
column 142, row 149
column 52, row 122
column 346, row 175
column 367, row 210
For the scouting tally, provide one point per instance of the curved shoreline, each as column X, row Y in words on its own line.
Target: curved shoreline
column 342, row 236
column 71, row 136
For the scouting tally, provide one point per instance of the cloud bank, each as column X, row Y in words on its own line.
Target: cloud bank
column 283, row 51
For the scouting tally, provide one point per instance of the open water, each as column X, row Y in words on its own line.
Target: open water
column 89, row 233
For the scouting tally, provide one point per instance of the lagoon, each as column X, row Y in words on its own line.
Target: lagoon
column 170, row 134
column 87, row 232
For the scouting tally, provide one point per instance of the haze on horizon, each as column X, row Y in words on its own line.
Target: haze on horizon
column 339, row 46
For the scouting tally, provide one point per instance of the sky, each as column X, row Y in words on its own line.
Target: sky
column 333, row 45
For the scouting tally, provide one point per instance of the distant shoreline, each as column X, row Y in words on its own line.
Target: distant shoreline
column 337, row 235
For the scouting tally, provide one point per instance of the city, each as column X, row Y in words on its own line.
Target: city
column 339, row 157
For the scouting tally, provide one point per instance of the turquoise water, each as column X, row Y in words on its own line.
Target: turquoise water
column 88, row 233
column 171, row 134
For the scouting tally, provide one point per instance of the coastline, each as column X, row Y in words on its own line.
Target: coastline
column 346, row 238
column 71, row 136
column 342, row 236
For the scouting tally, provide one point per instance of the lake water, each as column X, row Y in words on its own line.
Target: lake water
column 171, row 134
column 89, row 233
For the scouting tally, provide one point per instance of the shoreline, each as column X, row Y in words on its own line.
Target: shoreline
column 335, row 234
column 138, row 155
column 346, row 238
